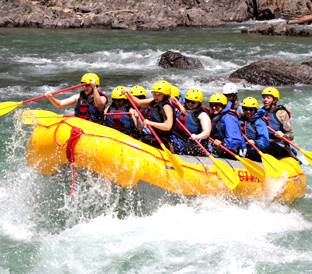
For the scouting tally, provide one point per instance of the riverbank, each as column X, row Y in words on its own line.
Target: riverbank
column 143, row 14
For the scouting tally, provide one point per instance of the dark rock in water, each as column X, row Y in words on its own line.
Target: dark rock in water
column 275, row 72
column 277, row 28
column 308, row 62
column 172, row 59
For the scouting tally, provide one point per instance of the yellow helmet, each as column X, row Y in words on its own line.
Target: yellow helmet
column 250, row 102
column 162, row 86
column 175, row 92
column 194, row 94
column 271, row 91
column 138, row 91
column 86, row 78
column 116, row 93
column 218, row 98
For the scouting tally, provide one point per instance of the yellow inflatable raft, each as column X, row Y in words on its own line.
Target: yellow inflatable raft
column 131, row 163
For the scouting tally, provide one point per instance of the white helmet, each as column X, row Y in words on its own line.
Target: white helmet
column 229, row 88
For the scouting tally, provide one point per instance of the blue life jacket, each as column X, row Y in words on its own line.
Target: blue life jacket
column 123, row 122
column 255, row 128
column 225, row 127
column 85, row 108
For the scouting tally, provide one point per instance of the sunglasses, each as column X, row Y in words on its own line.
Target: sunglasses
column 248, row 109
column 214, row 105
column 191, row 102
column 117, row 100
column 229, row 95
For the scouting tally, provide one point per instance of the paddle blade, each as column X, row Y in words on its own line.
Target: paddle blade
column 273, row 166
column 308, row 155
column 6, row 107
column 227, row 174
column 255, row 169
column 176, row 165
column 34, row 116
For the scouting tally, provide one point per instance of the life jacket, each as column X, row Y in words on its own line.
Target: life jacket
column 216, row 130
column 248, row 127
column 190, row 121
column 85, row 108
column 155, row 112
column 274, row 122
column 123, row 122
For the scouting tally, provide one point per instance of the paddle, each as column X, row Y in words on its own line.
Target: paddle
column 6, row 107
column 229, row 177
column 273, row 166
column 307, row 154
column 176, row 165
column 29, row 115
column 255, row 169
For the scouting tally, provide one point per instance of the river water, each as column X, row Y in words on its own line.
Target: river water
column 104, row 229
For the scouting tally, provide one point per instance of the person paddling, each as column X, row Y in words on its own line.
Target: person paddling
column 225, row 128
column 279, row 120
column 159, row 113
column 254, row 126
column 197, row 121
column 90, row 102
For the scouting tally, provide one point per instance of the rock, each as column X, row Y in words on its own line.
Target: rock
column 275, row 72
column 308, row 62
column 172, row 59
column 277, row 28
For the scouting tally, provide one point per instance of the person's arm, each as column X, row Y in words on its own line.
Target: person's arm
column 167, row 124
column 288, row 133
column 99, row 101
column 205, row 123
column 136, row 120
column 62, row 103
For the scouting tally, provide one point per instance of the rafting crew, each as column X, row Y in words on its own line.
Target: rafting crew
column 230, row 92
column 279, row 120
column 254, row 126
column 225, row 128
column 90, row 102
column 123, row 117
column 197, row 121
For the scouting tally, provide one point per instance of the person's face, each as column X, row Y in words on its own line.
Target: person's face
column 230, row 97
column 215, row 108
column 118, row 102
column 249, row 112
column 158, row 96
column 191, row 104
column 267, row 100
column 87, row 89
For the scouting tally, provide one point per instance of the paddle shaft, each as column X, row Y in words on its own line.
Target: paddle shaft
column 53, row 93
column 142, row 117
column 284, row 139
column 246, row 138
column 226, row 149
column 189, row 133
